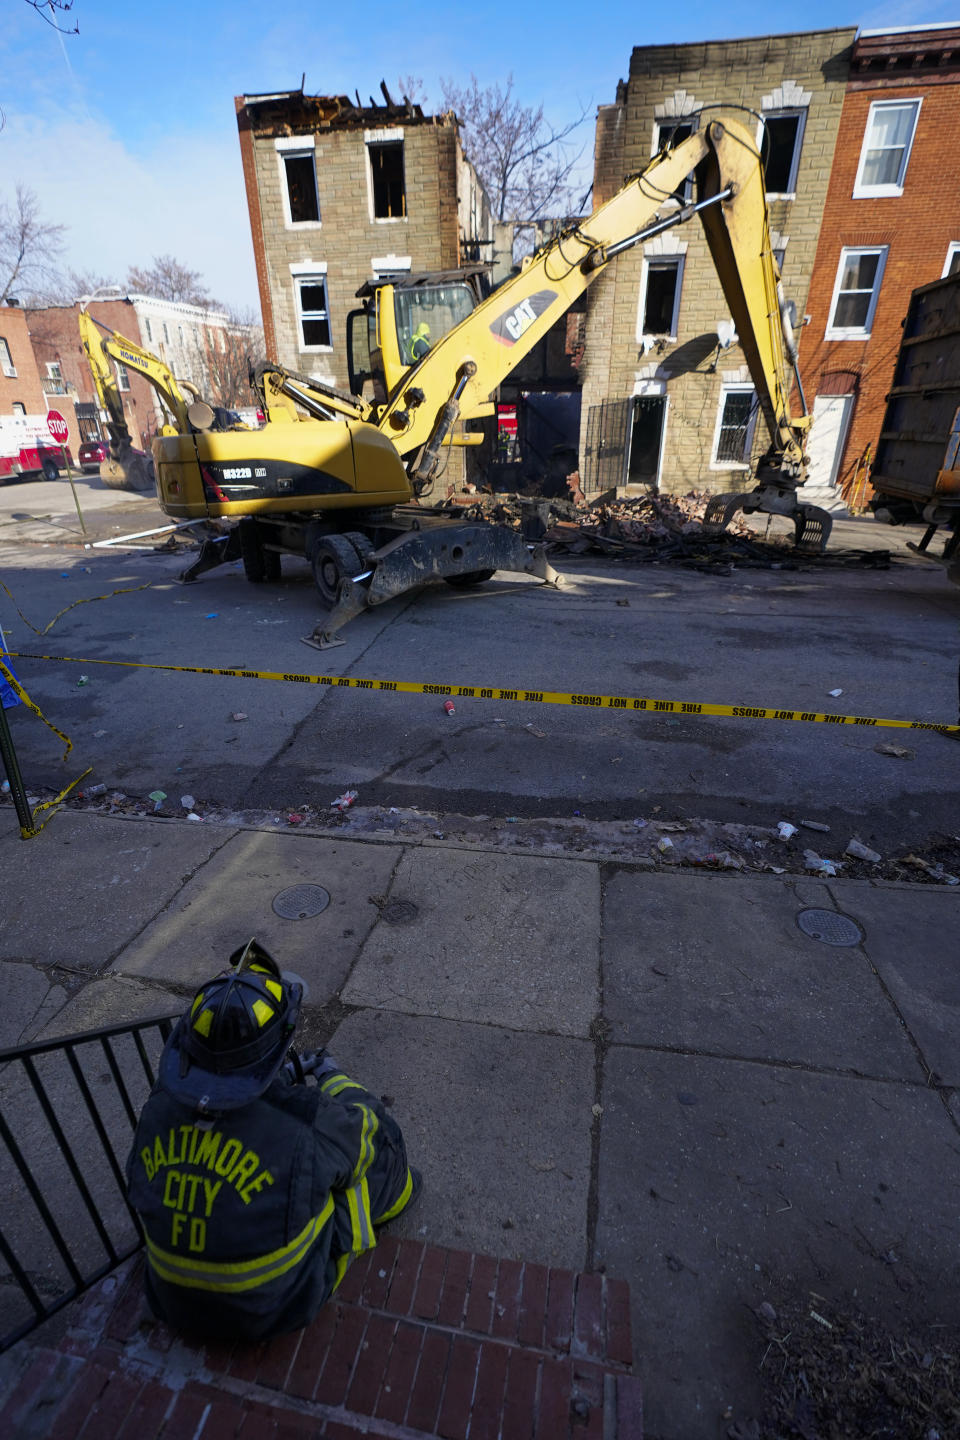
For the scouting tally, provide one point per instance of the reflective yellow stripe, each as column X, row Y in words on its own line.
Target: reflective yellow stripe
column 361, row 1224
column 337, row 1083
column 370, row 1127
column 342, row 1262
column 196, row 1274
column 398, row 1204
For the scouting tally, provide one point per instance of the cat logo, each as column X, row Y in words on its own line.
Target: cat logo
column 508, row 327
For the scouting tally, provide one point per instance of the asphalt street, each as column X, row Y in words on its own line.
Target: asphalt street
column 887, row 639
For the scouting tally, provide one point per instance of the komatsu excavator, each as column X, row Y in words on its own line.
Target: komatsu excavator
column 336, row 483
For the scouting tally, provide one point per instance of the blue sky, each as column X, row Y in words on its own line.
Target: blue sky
column 127, row 132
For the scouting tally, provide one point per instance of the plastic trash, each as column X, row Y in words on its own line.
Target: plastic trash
column 449, row 707
column 344, row 801
column 818, row 864
column 815, row 825
column 193, row 816
column 84, row 680
column 640, row 823
column 665, row 845
column 187, row 801
column 214, row 615
column 158, row 797
column 439, row 835
column 785, row 829
column 834, row 693
column 295, row 819
column 239, row 715
column 862, row 852
column 5, row 788
column 95, row 790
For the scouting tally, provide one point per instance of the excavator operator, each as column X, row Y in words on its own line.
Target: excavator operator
column 420, row 341
column 255, row 1190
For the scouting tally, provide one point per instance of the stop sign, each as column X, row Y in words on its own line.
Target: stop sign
column 58, row 427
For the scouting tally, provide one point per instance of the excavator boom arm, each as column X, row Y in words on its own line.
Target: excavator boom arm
column 472, row 359
column 110, row 345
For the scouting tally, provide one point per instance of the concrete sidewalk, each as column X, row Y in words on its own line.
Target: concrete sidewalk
column 655, row 1075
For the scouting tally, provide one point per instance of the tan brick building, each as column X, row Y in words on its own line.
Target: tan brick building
column 663, row 405
column 890, row 224
column 341, row 193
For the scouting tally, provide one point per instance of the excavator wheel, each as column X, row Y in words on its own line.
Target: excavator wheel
column 363, row 547
column 334, row 559
column 259, row 564
column 472, row 577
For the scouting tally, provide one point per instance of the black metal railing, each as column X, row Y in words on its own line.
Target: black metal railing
column 68, row 1109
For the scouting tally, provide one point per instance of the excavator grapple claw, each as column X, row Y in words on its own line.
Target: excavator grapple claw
column 812, row 527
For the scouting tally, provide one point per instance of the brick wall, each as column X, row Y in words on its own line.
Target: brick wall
column 25, row 386
column 677, row 79
column 348, row 239
column 54, row 335
column 917, row 226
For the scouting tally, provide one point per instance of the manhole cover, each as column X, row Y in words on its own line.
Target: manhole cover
column 399, row 912
column 300, row 902
column 829, row 927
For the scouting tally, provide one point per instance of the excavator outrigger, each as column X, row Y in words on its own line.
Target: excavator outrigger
column 339, row 483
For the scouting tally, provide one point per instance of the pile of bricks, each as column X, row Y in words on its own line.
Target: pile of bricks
column 420, row 1341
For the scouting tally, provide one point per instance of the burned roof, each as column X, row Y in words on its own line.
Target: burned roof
column 293, row 111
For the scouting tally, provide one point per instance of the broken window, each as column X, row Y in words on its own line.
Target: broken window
column 668, row 134
column 735, row 423
column 301, row 175
column 386, row 173
column 886, row 147
column 313, row 312
column 660, row 300
column 780, row 150
column 855, row 293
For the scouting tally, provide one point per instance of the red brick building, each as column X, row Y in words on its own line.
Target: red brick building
column 890, row 223
column 65, row 372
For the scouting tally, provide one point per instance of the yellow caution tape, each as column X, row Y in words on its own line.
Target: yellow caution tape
column 27, row 831
column 648, row 704
column 124, row 590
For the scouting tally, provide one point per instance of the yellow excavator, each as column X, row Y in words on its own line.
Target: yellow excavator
column 129, row 468
column 336, row 477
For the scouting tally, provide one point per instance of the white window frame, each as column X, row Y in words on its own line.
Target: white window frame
column 788, row 112
column 661, row 261
column 663, row 127
column 382, row 266
column 856, row 332
column 123, row 376
column 6, row 360
column 952, row 249
column 387, row 136
column 866, row 192
column 311, row 271
column 19, row 408
column 293, row 147
column 733, row 388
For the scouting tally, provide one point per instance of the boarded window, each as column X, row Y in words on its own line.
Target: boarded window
column 301, row 171
column 386, row 170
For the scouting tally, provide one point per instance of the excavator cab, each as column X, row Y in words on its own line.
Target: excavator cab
column 403, row 318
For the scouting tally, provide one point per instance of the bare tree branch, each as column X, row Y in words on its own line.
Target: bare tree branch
column 227, row 357
column 167, row 279
column 522, row 160
column 29, row 246
column 47, row 10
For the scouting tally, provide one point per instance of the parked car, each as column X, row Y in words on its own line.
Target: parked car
column 91, row 453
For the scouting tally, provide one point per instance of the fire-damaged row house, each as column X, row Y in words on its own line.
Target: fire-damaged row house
column 644, row 385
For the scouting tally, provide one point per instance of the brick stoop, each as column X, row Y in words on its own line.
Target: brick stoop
column 419, row 1342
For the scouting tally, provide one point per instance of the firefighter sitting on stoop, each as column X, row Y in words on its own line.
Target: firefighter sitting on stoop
column 255, row 1189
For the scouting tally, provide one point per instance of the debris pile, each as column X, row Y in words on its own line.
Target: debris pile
column 846, row 1376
